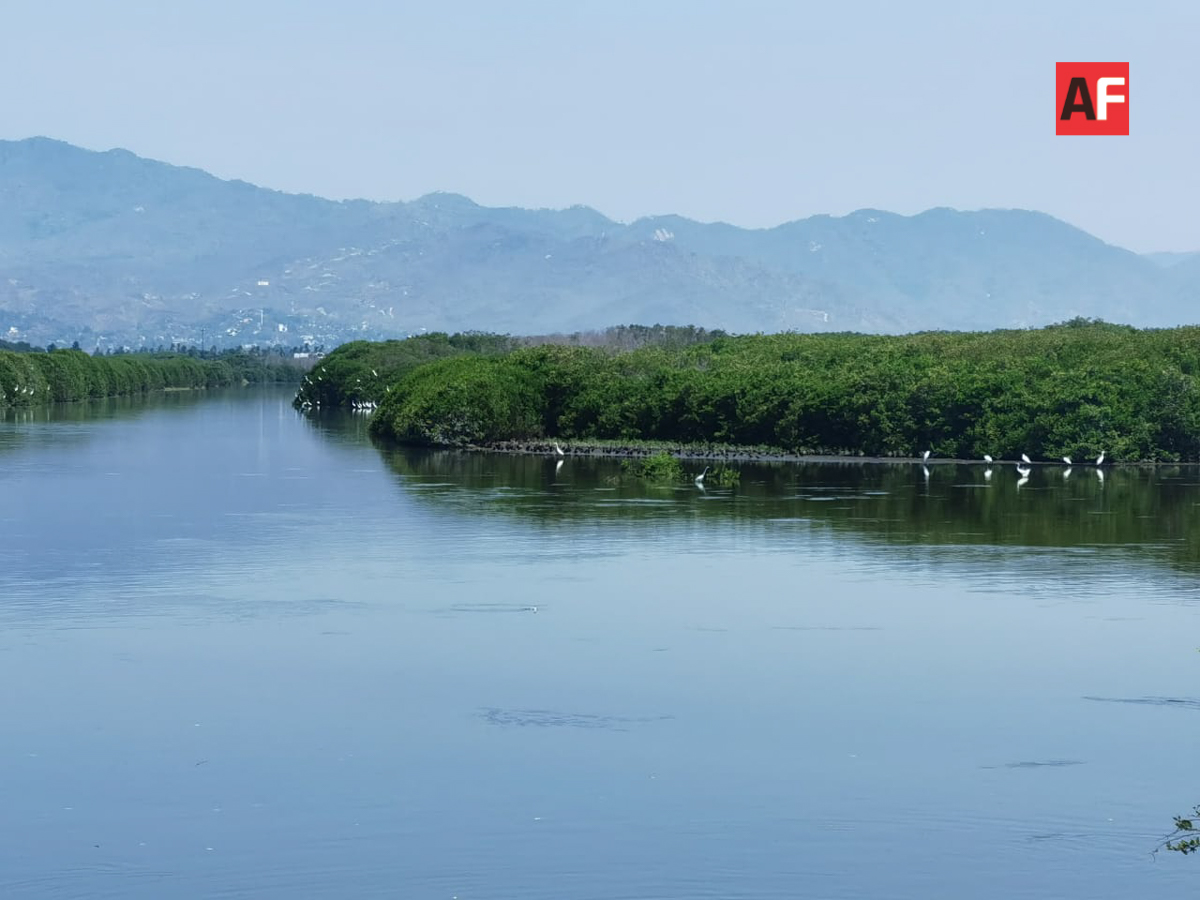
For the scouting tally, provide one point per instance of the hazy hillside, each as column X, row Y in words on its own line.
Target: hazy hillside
column 131, row 250
column 1169, row 258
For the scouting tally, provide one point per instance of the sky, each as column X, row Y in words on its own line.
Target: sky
column 753, row 113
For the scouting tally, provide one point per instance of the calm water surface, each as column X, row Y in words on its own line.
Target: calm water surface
column 245, row 654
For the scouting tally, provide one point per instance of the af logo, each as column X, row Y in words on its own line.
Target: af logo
column 1091, row 98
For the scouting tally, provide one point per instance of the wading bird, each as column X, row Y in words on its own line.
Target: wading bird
column 1067, row 460
column 987, row 458
column 558, row 449
column 1025, row 459
column 925, row 456
column 700, row 477
column 1100, row 459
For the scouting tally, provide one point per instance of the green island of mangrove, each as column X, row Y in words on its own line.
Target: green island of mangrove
column 1071, row 390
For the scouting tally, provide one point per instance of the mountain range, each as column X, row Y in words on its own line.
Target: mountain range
column 109, row 249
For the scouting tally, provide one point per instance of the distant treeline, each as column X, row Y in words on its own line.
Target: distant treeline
column 177, row 349
column 21, row 347
column 1072, row 389
column 363, row 370
column 30, row 378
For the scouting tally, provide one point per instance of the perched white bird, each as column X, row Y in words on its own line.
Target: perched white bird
column 558, row 449
column 700, row 477
column 1100, row 459
column 1067, row 460
column 987, row 458
column 1025, row 459
column 925, row 456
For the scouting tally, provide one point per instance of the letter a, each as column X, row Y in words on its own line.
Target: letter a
column 1083, row 105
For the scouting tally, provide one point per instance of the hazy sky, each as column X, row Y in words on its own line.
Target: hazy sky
column 749, row 112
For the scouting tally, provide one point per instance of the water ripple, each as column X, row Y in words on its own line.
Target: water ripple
column 546, row 718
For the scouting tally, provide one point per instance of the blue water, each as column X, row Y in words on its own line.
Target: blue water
column 245, row 654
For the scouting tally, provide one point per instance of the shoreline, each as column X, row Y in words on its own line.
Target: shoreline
column 735, row 454
column 173, row 389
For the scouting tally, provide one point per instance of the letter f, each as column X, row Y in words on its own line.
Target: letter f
column 1103, row 97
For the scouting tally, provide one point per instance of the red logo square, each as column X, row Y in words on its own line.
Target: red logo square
column 1091, row 98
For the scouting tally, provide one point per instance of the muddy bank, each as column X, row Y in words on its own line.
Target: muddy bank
column 615, row 449
column 710, row 452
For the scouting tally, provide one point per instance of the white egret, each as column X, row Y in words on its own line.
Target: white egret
column 558, row 449
column 1067, row 460
column 1025, row 459
column 700, row 477
column 925, row 456
column 987, row 458
column 1100, row 459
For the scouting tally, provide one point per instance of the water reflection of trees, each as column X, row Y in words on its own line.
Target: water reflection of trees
column 1154, row 509
column 22, row 425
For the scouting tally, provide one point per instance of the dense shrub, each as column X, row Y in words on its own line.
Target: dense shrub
column 28, row 378
column 466, row 400
column 1073, row 389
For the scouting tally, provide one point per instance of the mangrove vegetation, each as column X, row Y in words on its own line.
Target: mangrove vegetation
column 56, row 376
column 1074, row 389
column 360, row 372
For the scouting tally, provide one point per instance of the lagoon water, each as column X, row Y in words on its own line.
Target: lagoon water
column 248, row 654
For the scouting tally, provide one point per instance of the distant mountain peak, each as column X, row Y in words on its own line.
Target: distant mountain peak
column 446, row 199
